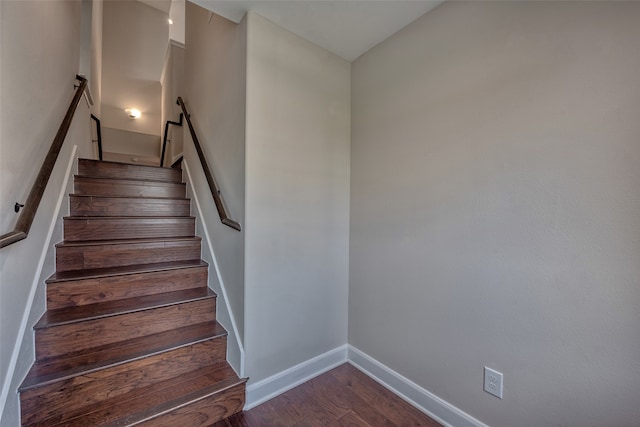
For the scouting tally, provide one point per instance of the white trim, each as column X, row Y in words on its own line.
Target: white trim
column 176, row 157
column 87, row 92
column 207, row 239
column 281, row 382
column 427, row 402
column 34, row 285
column 176, row 43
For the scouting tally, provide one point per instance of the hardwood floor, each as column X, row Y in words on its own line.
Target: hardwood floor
column 343, row 396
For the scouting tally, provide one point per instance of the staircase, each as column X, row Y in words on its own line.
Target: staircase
column 130, row 334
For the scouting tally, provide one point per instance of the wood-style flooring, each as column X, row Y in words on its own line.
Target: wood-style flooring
column 343, row 396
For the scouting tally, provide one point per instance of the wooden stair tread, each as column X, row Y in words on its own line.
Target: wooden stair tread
column 81, row 228
column 122, row 217
column 122, row 205
column 123, row 186
column 132, row 198
column 130, row 181
column 104, row 168
column 64, row 276
column 148, row 402
column 125, row 241
column 82, row 313
column 86, row 361
column 130, row 335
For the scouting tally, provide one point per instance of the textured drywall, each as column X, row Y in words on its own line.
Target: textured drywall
column 495, row 211
column 297, row 199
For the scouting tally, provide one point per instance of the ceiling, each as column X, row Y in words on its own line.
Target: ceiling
column 347, row 28
column 161, row 5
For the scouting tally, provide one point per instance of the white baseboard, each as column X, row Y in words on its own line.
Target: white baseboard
column 427, row 402
column 277, row 384
column 233, row 338
column 422, row 399
column 176, row 157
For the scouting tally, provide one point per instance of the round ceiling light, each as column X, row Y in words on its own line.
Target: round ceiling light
column 133, row 113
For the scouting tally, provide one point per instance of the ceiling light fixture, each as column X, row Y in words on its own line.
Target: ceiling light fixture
column 133, row 113
column 170, row 21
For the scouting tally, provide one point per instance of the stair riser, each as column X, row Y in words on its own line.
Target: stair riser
column 52, row 401
column 119, row 170
column 70, row 258
column 66, row 338
column 111, row 288
column 203, row 412
column 124, row 206
column 79, row 229
column 123, row 188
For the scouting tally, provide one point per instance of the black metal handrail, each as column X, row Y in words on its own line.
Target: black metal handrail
column 215, row 191
column 166, row 132
column 99, row 135
column 25, row 220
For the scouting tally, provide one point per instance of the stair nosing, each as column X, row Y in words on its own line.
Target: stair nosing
column 42, row 324
column 127, row 217
column 186, row 400
column 98, row 366
column 127, row 270
column 109, row 178
column 124, row 164
column 148, row 413
column 102, row 196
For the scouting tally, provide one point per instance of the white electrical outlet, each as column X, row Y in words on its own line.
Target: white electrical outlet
column 493, row 382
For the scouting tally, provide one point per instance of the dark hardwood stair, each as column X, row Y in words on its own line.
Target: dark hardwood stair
column 130, row 335
column 84, row 205
column 121, row 253
column 122, row 187
column 89, row 286
column 82, row 228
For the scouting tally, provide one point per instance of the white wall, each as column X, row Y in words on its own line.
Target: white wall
column 214, row 80
column 495, row 212
column 36, row 36
column 177, row 14
column 297, row 200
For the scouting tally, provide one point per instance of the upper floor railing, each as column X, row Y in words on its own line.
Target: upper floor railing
column 166, row 134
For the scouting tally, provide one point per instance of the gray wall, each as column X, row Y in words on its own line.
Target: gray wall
column 272, row 113
column 214, row 79
column 39, row 59
column 130, row 143
column 297, row 193
column 172, row 82
column 135, row 38
column 495, row 211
